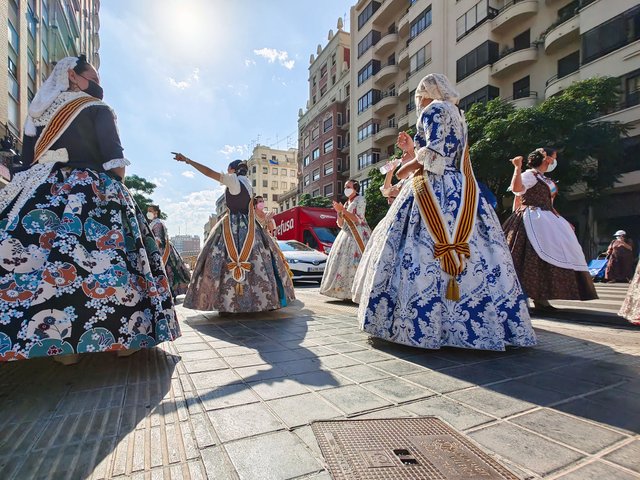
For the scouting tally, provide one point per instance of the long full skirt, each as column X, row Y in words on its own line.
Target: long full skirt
column 177, row 273
column 266, row 286
column 80, row 270
column 539, row 278
column 403, row 288
column 340, row 272
column 631, row 305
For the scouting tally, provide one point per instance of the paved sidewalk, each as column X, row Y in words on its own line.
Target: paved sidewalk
column 233, row 398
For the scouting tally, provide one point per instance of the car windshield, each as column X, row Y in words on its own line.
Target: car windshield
column 326, row 235
column 293, row 246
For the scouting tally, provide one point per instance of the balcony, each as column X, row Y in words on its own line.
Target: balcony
column 389, row 99
column 345, row 148
column 386, row 44
column 403, row 122
column 628, row 112
column 513, row 12
column 389, row 131
column 562, row 33
column 387, row 12
column 403, row 24
column 556, row 85
column 403, row 89
column 510, row 60
column 403, row 57
column 524, row 100
column 386, row 72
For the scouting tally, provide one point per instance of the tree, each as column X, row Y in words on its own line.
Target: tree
column 589, row 150
column 140, row 189
column 307, row 200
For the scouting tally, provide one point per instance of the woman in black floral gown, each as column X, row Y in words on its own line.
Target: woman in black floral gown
column 80, row 270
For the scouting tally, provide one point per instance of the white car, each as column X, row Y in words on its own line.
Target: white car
column 305, row 262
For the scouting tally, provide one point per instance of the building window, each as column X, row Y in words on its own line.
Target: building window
column 328, row 168
column 611, row 35
column 315, row 193
column 367, row 13
column 328, row 146
column 253, row 182
column 306, row 141
column 283, row 186
column 522, row 41
column 420, row 59
column 569, row 64
column 265, row 184
column 306, row 180
column 293, row 186
column 292, row 173
column 265, row 196
column 316, row 174
column 368, row 71
column 274, row 184
column 265, row 170
column 328, row 190
column 420, row 23
column 368, row 158
column 323, row 70
column 327, row 124
column 368, row 99
column 305, row 161
column 315, row 133
column 364, row 185
column 274, row 170
column 521, row 88
column 315, row 154
column 474, row 17
column 479, row 96
column 479, row 57
column 253, row 169
column 368, row 41
column 369, row 128
column 283, row 172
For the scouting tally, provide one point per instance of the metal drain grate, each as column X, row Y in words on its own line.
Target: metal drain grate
column 403, row 448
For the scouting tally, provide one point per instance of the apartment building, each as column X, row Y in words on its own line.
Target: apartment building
column 324, row 127
column 186, row 244
column 39, row 33
column 272, row 173
column 521, row 50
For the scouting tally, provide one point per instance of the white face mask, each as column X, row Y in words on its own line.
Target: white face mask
column 553, row 165
column 150, row 216
column 260, row 205
column 348, row 192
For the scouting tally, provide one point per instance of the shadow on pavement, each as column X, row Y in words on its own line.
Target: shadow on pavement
column 61, row 421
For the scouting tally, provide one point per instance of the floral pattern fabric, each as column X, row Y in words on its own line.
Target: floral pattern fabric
column 80, row 271
column 267, row 285
column 403, row 287
column 344, row 258
column 631, row 306
column 177, row 272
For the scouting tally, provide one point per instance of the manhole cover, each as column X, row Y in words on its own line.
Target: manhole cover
column 403, row 448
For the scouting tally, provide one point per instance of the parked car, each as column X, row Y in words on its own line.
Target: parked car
column 305, row 262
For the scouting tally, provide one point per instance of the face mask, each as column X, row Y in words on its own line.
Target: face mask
column 553, row 165
column 348, row 192
column 94, row 89
column 260, row 205
column 150, row 216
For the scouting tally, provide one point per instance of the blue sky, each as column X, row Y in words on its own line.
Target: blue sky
column 207, row 78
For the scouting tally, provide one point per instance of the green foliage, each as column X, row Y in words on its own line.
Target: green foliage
column 589, row 151
column 141, row 188
column 306, row 200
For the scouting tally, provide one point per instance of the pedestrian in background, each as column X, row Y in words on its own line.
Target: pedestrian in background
column 619, row 259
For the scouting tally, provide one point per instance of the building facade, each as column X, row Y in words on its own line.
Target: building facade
column 39, row 33
column 323, row 130
column 523, row 51
column 272, row 172
column 186, row 244
column 213, row 219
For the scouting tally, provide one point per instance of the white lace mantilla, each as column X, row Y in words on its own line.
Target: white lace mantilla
column 431, row 161
column 116, row 163
column 23, row 185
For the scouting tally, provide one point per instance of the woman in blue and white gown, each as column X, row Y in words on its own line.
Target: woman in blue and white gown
column 406, row 296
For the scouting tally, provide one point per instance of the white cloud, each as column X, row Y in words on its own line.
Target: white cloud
column 188, row 174
column 235, row 151
column 184, row 84
column 271, row 54
column 199, row 205
column 159, row 181
column 248, row 62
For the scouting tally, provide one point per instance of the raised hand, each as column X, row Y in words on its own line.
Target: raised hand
column 180, row 157
column 517, row 161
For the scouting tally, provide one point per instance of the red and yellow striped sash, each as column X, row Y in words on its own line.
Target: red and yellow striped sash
column 239, row 264
column 452, row 254
column 59, row 123
column 354, row 231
